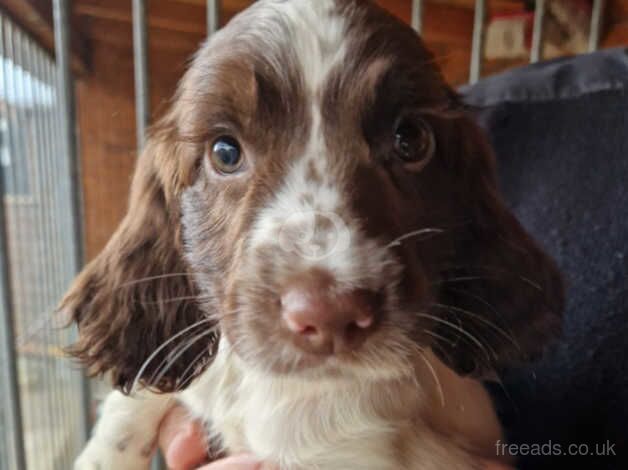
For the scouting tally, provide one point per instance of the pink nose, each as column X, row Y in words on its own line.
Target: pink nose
column 324, row 322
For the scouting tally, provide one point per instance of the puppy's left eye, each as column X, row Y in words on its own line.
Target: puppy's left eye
column 414, row 142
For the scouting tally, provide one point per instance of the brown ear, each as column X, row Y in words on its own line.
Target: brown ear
column 136, row 296
column 500, row 288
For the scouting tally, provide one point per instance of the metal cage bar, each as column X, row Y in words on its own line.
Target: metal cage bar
column 140, row 61
column 596, row 25
column 536, row 51
column 213, row 16
column 477, row 45
column 67, row 122
column 142, row 100
column 417, row 15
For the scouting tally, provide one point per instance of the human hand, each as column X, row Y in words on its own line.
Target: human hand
column 183, row 443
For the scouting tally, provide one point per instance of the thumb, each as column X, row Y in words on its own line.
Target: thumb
column 182, row 441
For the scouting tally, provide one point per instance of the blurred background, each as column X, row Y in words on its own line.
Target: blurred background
column 68, row 143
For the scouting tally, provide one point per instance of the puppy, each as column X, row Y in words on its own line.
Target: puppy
column 316, row 261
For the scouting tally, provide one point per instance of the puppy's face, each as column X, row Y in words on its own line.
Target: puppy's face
column 333, row 208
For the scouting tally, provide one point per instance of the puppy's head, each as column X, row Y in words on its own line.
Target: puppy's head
column 317, row 196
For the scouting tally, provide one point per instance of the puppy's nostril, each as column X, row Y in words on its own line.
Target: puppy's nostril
column 309, row 331
column 352, row 332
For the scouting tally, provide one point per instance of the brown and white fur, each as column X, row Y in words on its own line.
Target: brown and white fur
column 189, row 296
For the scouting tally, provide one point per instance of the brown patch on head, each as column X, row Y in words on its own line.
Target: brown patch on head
column 388, row 75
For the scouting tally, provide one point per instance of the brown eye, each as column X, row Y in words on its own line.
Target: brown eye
column 226, row 155
column 414, row 142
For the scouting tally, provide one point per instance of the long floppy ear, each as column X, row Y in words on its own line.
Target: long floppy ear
column 135, row 304
column 501, row 288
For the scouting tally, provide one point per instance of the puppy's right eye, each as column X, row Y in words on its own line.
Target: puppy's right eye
column 226, row 155
column 414, row 142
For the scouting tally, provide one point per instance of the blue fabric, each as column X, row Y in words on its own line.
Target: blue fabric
column 560, row 132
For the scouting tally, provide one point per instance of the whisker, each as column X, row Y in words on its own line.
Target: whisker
column 174, row 300
column 461, row 279
column 189, row 370
column 481, row 319
column 461, row 330
column 439, row 386
column 164, row 345
column 477, row 298
column 180, row 353
column 151, row 278
column 439, row 337
column 169, row 356
column 440, row 347
column 498, row 270
column 416, row 233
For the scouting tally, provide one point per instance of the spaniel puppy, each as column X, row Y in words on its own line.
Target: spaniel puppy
column 316, row 260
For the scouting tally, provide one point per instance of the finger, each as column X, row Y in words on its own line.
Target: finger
column 171, row 425
column 182, row 440
column 493, row 465
column 240, row 462
column 187, row 450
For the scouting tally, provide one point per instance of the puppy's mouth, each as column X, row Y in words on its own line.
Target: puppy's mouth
column 378, row 358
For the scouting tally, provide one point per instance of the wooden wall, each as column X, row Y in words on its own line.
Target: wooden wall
column 105, row 95
column 106, row 116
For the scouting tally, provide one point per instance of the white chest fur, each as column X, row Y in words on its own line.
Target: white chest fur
column 328, row 424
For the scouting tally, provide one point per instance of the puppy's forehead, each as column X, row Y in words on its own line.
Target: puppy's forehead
column 284, row 54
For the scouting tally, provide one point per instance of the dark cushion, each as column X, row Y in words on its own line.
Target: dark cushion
column 560, row 132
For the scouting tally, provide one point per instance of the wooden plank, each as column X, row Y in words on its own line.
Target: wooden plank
column 185, row 16
column 494, row 5
column 35, row 16
column 120, row 34
column 232, row 6
column 617, row 35
column 617, row 10
column 183, row 20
